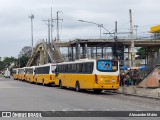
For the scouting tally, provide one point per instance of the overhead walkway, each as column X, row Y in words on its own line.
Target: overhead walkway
column 151, row 79
column 44, row 53
column 83, row 48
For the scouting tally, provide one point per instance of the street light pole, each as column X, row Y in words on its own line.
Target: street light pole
column 99, row 25
column 31, row 17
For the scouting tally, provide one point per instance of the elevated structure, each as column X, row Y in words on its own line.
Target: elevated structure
column 88, row 48
column 44, row 53
column 95, row 49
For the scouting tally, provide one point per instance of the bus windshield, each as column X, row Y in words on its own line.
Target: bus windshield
column 53, row 67
column 107, row 65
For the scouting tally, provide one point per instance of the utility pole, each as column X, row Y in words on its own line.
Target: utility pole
column 51, row 25
column 57, row 27
column 31, row 17
column 48, row 23
column 58, row 24
column 114, row 49
column 115, row 35
column 100, row 27
column 132, row 53
column 131, row 49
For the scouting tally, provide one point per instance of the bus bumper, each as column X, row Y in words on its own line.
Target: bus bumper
column 107, row 86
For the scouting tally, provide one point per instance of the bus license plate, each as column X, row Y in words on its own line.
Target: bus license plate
column 107, row 81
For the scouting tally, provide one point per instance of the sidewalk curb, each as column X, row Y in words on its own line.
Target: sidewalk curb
column 143, row 96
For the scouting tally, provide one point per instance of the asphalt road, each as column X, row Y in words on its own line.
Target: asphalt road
column 22, row 96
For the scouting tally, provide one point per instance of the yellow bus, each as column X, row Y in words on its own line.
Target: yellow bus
column 21, row 73
column 45, row 74
column 15, row 74
column 30, row 74
column 87, row 74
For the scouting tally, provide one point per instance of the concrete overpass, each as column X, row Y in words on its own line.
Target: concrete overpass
column 92, row 48
column 127, row 42
column 48, row 49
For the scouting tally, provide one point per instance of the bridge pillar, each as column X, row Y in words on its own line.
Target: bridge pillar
column 102, row 55
column 150, row 55
column 70, row 53
column 78, row 51
column 105, row 53
column 96, row 53
column 129, row 56
column 122, row 55
column 85, row 51
column 153, row 56
column 92, row 54
column 157, row 54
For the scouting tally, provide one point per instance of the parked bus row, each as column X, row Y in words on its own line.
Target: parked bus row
column 87, row 74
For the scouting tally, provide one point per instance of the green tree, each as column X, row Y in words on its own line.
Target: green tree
column 7, row 62
column 141, row 52
column 24, row 56
column 23, row 60
column 2, row 66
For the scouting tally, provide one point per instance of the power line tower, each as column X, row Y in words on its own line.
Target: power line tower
column 48, row 24
column 57, row 20
column 51, row 25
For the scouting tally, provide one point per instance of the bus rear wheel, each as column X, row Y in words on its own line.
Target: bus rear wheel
column 60, row 84
column 43, row 83
column 97, row 90
column 36, row 82
column 77, row 86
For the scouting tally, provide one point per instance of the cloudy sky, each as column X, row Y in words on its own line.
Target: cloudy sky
column 15, row 23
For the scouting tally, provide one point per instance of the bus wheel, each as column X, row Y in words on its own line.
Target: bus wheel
column 116, row 91
column 36, row 81
column 77, row 87
column 43, row 83
column 97, row 90
column 60, row 84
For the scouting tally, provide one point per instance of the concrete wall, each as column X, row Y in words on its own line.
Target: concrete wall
column 152, row 80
